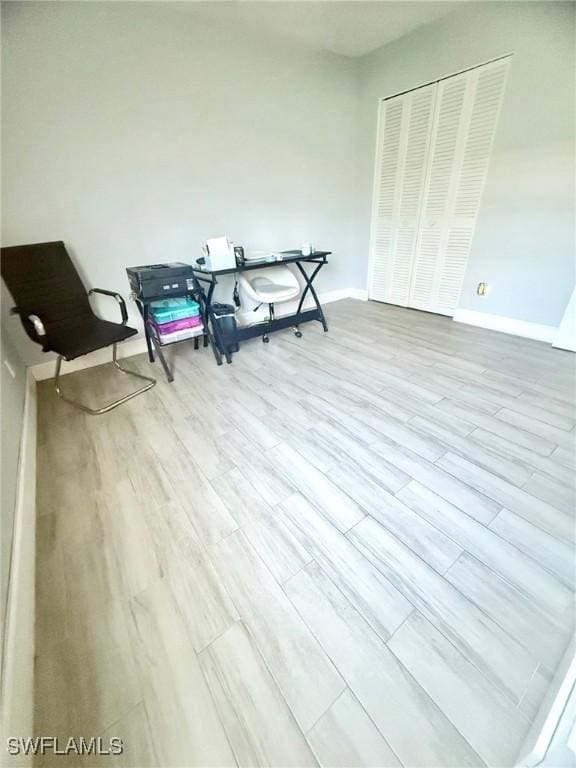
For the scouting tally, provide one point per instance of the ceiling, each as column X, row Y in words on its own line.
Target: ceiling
column 346, row 27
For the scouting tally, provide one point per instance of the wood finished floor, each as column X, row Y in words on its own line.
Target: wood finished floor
column 351, row 549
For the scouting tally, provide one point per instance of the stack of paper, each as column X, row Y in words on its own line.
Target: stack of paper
column 175, row 320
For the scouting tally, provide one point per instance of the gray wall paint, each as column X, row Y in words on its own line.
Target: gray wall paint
column 13, row 392
column 134, row 132
column 524, row 240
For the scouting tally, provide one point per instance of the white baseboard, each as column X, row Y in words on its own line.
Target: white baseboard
column 506, row 325
column 554, row 708
column 343, row 293
column 18, row 652
column 565, row 337
column 336, row 295
column 358, row 293
column 137, row 346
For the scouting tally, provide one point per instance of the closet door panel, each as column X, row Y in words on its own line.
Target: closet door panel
column 465, row 123
column 387, row 180
column 404, row 137
column 442, row 173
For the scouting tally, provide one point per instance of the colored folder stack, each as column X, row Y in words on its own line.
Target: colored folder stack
column 175, row 320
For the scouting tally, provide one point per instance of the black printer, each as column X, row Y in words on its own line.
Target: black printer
column 150, row 281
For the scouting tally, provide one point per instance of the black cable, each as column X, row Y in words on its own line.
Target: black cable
column 236, row 295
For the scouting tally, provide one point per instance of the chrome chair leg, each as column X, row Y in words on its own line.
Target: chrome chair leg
column 115, row 403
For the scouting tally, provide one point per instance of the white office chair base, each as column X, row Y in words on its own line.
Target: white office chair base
column 271, row 318
column 297, row 333
column 110, row 407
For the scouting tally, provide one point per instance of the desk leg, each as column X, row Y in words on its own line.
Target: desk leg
column 208, row 320
column 162, row 359
column 145, row 313
column 310, row 287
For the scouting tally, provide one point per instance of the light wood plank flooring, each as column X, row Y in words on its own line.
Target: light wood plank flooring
column 351, row 549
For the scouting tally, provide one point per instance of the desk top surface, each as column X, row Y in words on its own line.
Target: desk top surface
column 291, row 257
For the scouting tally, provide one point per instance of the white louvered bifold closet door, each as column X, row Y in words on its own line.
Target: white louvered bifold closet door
column 467, row 108
column 405, row 124
column 435, row 145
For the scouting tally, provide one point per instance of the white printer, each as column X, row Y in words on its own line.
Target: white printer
column 218, row 254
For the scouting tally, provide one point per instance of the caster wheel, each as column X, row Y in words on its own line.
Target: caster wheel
column 265, row 339
column 298, row 334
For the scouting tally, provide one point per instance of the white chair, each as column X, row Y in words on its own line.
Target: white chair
column 271, row 285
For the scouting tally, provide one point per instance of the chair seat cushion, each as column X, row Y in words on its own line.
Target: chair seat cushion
column 85, row 334
column 270, row 285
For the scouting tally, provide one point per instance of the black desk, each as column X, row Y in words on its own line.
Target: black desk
column 210, row 279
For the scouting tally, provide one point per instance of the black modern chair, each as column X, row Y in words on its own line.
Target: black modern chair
column 54, row 308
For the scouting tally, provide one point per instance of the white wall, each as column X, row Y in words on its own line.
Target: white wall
column 13, row 391
column 17, row 673
column 17, row 552
column 524, row 242
column 133, row 132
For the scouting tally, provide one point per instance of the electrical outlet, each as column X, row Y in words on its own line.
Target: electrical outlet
column 11, row 370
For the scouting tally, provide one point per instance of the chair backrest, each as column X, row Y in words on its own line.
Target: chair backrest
column 43, row 281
